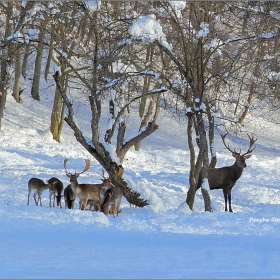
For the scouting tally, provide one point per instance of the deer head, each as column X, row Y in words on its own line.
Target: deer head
column 240, row 159
column 76, row 175
column 106, row 181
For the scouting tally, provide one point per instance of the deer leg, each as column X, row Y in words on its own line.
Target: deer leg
column 39, row 198
column 34, row 196
column 72, row 202
column 229, row 200
column 225, row 191
column 106, row 210
column 84, row 205
column 50, row 197
column 115, row 210
column 80, row 204
column 28, row 197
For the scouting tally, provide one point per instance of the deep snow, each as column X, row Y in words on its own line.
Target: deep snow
column 162, row 240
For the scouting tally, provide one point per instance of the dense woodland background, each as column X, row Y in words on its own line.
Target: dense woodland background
column 213, row 64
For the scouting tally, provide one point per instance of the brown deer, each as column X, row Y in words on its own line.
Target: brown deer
column 56, row 188
column 69, row 197
column 225, row 177
column 112, row 201
column 93, row 205
column 37, row 186
column 106, row 184
column 86, row 192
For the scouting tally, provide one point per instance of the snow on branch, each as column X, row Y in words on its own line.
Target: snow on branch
column 148, row 30
column 204, row 30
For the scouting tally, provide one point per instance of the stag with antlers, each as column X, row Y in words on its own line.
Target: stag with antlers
column 87, row 192
column 225, row 177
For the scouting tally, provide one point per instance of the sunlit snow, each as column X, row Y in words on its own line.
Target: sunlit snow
column 162, row 240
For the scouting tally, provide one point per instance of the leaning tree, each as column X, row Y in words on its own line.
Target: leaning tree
column 112, row 90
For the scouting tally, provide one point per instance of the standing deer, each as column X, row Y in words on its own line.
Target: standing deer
column 106, row 184
column 69, row 197
column 112, row 201
column 225, row 177
column 86, row 192
column 56, row 188
column 37, row 186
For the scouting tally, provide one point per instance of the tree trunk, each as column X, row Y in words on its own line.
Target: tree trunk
column 49, row 59
column 4, row 78
column 16, row 88
column 249, row 100
column 254, row 84
column 203, row 145
column 57, row 116
column 25, row 61
column 37, row 69
column 211, row 122
column 122, row 149
column 204, row 171
column 146, row 88
column 145, row 120
column 192, row 182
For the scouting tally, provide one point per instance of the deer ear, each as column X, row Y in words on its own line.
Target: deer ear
column 248, row 156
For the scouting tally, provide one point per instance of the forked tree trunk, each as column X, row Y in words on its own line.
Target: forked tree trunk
column 97, row 150
column 123, row 148
column 203, row 149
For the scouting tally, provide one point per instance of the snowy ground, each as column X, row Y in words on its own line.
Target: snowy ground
column 162, row 240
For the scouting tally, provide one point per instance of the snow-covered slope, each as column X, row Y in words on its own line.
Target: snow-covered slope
column 162, row 240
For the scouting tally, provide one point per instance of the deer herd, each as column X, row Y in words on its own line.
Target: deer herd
column 104, row 197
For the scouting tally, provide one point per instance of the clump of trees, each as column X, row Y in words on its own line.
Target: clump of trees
column 211, row 63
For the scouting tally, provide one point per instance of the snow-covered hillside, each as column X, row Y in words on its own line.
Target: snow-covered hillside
column 162, row 240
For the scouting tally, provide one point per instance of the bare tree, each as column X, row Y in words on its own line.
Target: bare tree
column 100, row 80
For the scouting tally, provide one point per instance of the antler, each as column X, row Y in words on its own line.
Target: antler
column 249, row 151
column 252, row 141
column 64, row 163
column 227, row 146
column 85, row 169
column 103, row 174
